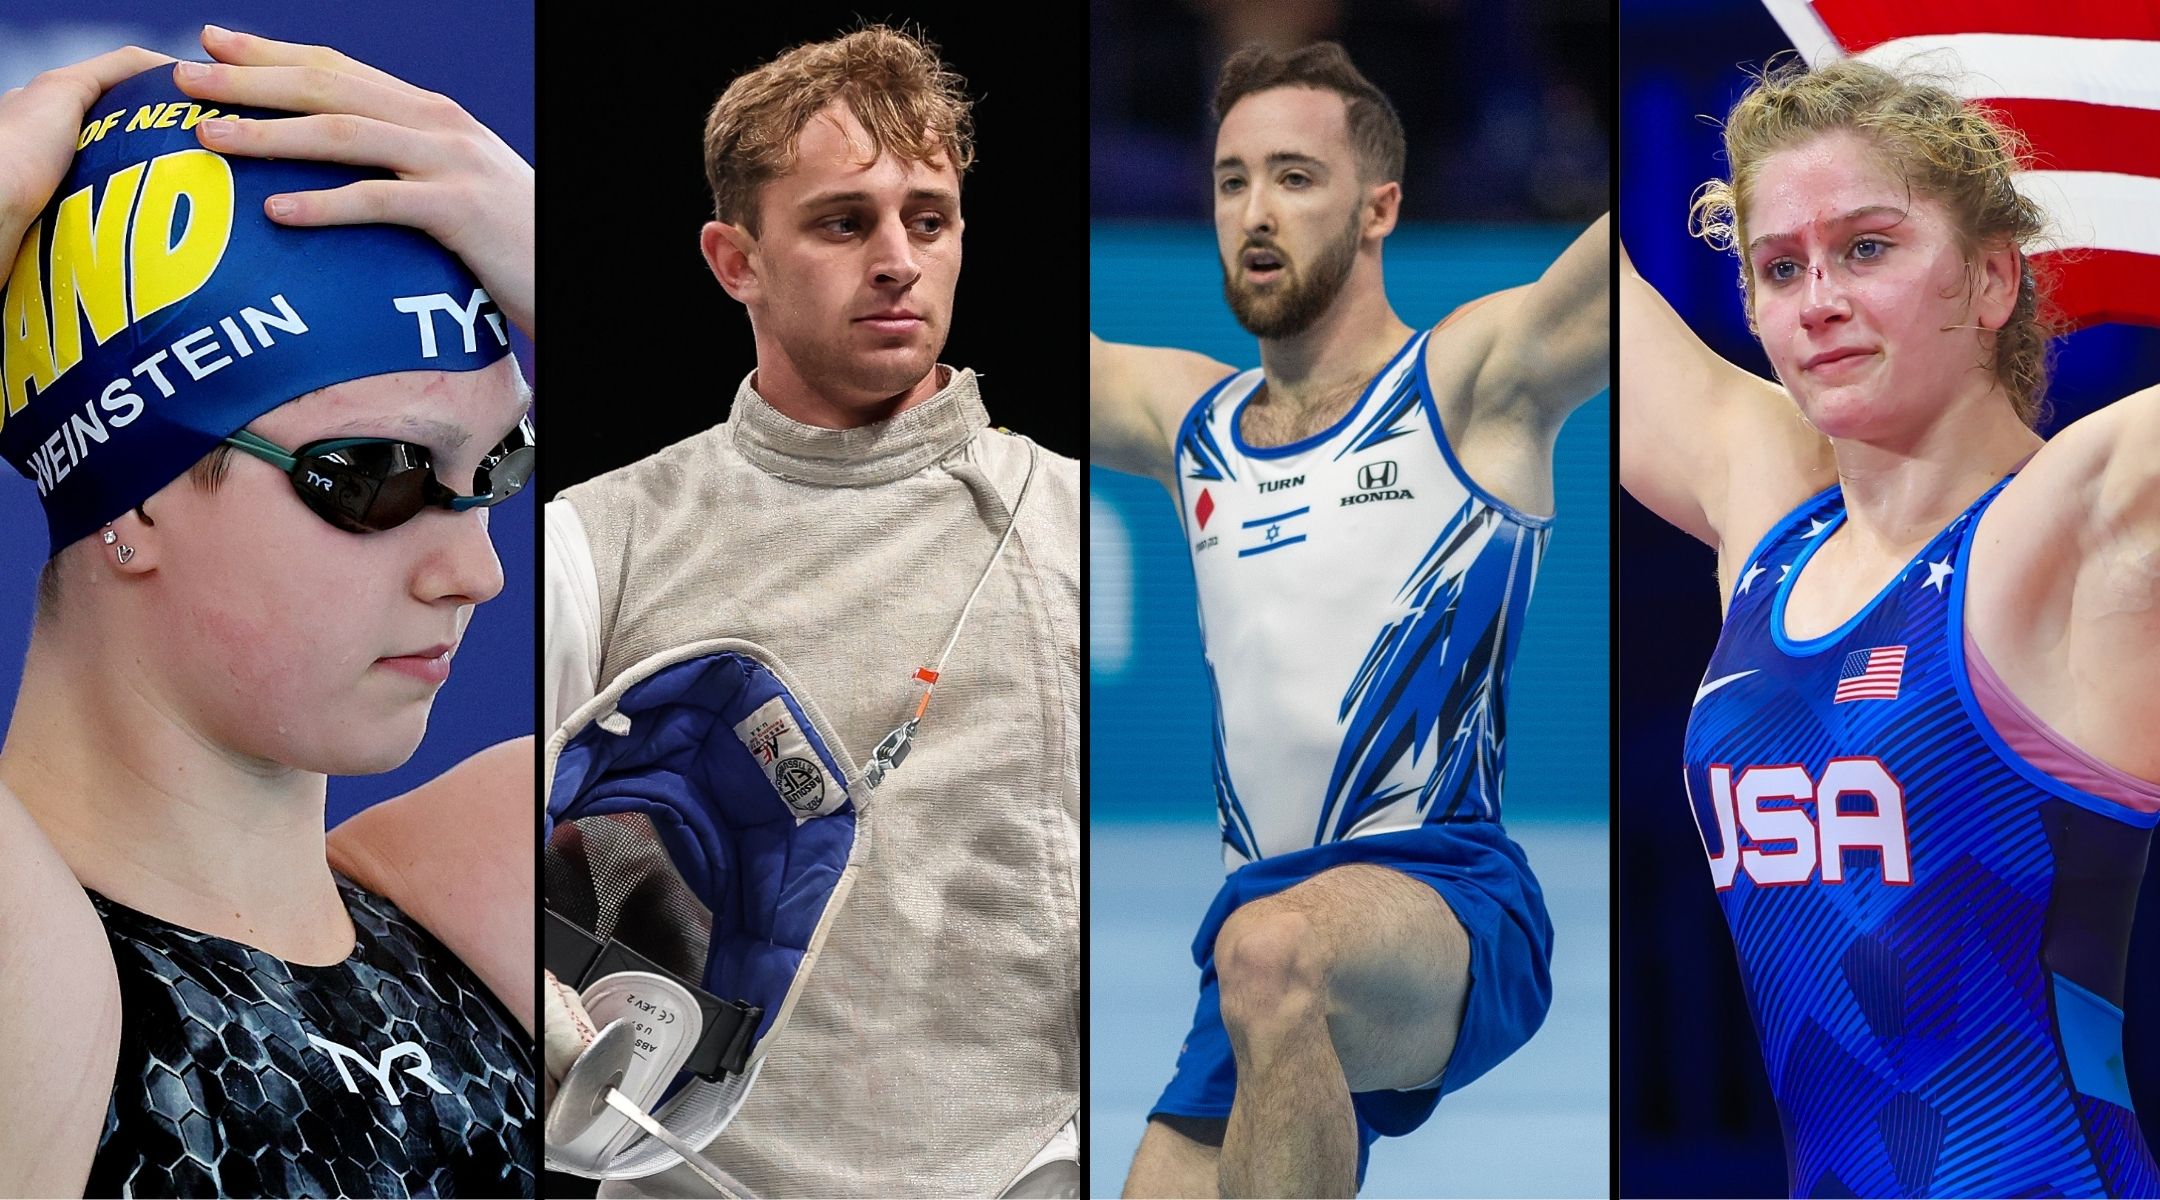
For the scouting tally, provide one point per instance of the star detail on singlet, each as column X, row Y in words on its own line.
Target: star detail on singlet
column 1815, row 527
column 1938, row 572
column 1749, row 577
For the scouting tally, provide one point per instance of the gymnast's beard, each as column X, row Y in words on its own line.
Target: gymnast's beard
column 1289, row 306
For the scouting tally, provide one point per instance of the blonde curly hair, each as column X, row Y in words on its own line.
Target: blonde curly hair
column 892, row 80
column 1955, row 151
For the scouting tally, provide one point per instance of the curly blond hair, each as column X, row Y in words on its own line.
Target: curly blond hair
column 892, row 80
column 1955, row 151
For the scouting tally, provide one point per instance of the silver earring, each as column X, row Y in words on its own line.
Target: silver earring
column 111, row 538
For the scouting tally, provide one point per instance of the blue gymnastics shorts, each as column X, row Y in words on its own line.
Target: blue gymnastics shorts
column 1486, row 881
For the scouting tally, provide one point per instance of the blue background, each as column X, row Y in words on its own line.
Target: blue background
column 1154, row 851
column 1694, row 1105
column 481, row 56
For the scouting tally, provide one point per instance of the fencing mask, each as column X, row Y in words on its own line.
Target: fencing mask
column 700, row 839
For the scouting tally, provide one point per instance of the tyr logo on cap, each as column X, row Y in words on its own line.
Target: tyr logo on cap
column 466, row 315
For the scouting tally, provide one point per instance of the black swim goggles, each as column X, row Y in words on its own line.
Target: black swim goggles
column 370, row 484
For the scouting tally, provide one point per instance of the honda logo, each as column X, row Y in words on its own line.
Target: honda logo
column 1376, row 475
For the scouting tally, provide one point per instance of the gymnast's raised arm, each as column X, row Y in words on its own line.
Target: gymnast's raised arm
column 1137, row 398
column 1550, row 341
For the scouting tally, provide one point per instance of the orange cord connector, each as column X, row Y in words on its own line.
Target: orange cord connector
column 927, row 679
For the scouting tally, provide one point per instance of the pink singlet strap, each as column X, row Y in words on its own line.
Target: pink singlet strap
column 2047, row 750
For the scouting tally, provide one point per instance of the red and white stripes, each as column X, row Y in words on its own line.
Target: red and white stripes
column 2081, row 80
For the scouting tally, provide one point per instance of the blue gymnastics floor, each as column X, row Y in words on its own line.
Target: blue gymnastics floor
column 1536, row 1125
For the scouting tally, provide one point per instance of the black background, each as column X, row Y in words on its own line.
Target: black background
column 657, row 348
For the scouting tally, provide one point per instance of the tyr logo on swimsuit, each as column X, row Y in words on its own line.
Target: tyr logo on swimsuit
column 1785, row 845
column 380, row 1071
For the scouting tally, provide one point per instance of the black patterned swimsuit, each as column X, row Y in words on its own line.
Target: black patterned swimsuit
column 392, row 1073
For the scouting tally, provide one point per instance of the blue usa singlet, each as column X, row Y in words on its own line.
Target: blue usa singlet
column 392, row 1073
column 1931, row 931
column 1361, row 599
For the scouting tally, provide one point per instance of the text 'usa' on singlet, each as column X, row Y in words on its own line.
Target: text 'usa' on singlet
column 1931, row 931
column 392, row 1073
column 1361, row 599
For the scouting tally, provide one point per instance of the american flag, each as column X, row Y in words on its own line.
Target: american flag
column 1871, row 674
column 2080, row 78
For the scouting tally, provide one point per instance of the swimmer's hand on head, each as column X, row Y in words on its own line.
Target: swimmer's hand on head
column 456, row 181
column 39, row 123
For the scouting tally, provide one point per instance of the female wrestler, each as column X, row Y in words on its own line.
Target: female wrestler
column 1921, row 757
column 259, row 457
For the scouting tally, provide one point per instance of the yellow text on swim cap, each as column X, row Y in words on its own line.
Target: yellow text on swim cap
column 150, row 116
column 115, row 263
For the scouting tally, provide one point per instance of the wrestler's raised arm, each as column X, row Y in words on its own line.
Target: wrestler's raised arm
column 2071, row 560
column 1713, row 449
column 1137, row 398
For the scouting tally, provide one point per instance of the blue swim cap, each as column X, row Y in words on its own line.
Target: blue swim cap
column 154, row 309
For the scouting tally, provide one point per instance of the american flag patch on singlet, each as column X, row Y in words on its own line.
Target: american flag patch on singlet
column 1871, row 674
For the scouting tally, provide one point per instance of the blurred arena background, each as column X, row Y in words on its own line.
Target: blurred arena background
column 1696, row 1118
column 1508, row 160
column 483, row 58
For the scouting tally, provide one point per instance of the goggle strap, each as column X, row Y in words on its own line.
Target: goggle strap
column 269, row 452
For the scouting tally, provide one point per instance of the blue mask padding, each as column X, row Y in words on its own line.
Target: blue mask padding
column 733, row 839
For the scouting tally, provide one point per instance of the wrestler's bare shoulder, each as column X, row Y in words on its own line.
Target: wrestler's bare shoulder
column 2080, row 525
column 2098, row 468
column 59, row 1015
column 1766, row 461
column 2064, row 594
